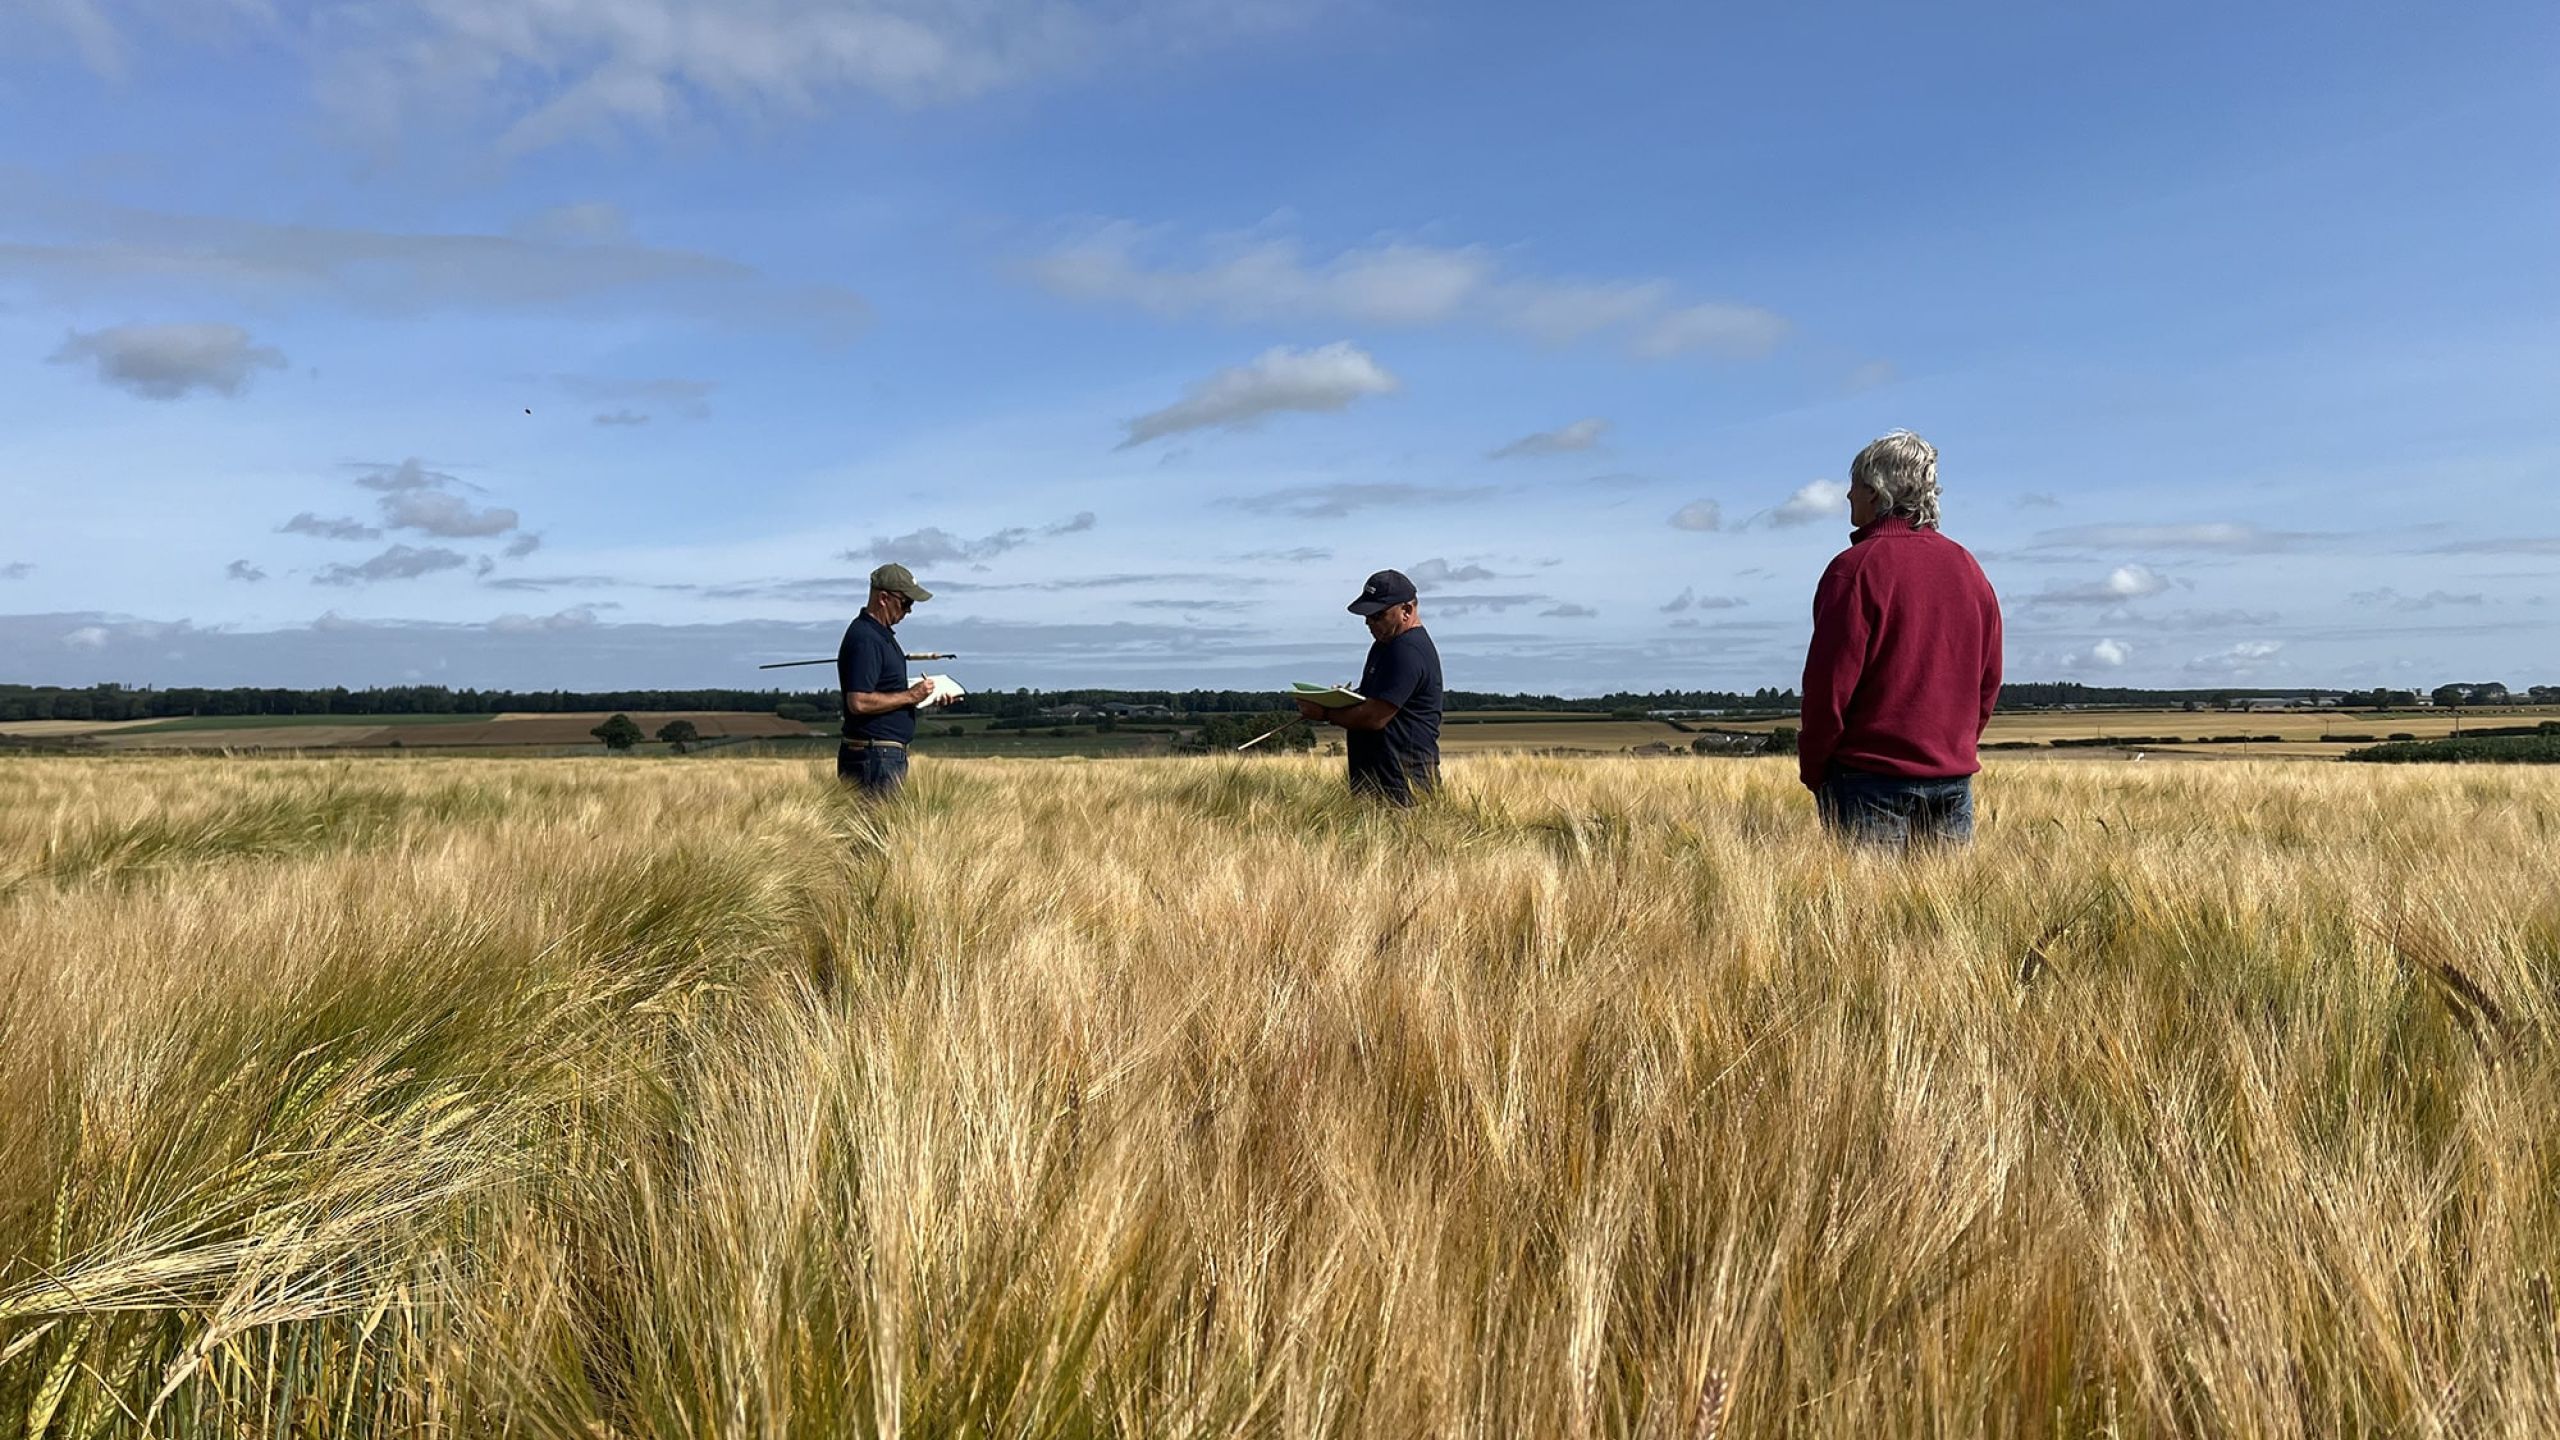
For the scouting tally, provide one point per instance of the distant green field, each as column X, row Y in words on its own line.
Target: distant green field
column 278, row 722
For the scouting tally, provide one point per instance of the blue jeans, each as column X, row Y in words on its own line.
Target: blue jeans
column 1893, row 811
column 878, row 770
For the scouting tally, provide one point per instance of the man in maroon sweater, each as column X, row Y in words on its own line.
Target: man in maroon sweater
column 1905, row 664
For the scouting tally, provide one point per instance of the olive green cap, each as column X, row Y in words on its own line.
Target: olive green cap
column 898, row 580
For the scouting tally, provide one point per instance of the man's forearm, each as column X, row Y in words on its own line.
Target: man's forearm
column 877, row 702
column 1367, row 715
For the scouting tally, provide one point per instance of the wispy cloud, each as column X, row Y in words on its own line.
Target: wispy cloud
column 1699, row 515
column 2120, row 585
column 1580, row 435
column 1569, row 611
column 2511, row 545
column 576, row 617
column 2433, row 599
column 1277, row 381
column 934, row 545
column 637, row 402
column 1264, row 279
column 1731, row 332
column 1431, row 574
column 1469, row 604
column 1332, row 502
column 400, row 562
column 1689, row 599
column 94, row 253
column 578, row 71
column 321, row 527
column 17, row 570
column 243, row 570
column 2225, row 537
column 164, row 362
column 2239, row 661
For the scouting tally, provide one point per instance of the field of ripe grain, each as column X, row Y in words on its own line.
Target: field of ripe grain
column 1186, row 1097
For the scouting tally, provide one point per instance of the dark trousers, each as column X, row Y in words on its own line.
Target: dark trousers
column 877, row 769
column 1896, row 811
column 1397, row 785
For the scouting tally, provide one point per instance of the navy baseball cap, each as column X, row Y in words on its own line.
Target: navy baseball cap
column 1385, row 590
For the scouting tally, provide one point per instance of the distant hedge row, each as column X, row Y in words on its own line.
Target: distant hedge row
column 2535, row 749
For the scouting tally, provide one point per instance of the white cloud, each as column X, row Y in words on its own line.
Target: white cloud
column 1569, row 611
column 1818, row 498
column 1325, row 379
column 164, row 362
column 523, row 545
column 1580, row 435
column 87, row 637
column 2123, row 583
column 1698, row 515
column 1267, row 279
column 2105, row 655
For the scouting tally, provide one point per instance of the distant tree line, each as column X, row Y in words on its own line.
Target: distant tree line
column 118, row 702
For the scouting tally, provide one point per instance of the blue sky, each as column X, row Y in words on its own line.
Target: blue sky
column 1144, row 330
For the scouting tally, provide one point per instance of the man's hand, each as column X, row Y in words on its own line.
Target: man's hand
column 1310, row 710
column 918, row 693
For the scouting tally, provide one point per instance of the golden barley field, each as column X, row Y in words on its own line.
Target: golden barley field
column 1183, row 1098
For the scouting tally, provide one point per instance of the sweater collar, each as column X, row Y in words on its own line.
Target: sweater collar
column 1884, row 525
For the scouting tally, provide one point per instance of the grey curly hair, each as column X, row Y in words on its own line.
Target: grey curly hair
column 1901, row 470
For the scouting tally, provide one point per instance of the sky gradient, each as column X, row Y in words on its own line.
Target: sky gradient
column 606, row 343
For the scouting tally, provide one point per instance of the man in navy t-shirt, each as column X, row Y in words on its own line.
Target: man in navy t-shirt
column 1393, row 734
column 871, row 669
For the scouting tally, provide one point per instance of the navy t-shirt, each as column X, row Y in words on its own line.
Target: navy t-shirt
column 872, row 661
column 1405, row 673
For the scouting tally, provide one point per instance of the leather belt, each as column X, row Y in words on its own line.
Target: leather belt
column 873, row 744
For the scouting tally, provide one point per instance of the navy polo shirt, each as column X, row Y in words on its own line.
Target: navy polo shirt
column 1405, row 673
column 871, row 661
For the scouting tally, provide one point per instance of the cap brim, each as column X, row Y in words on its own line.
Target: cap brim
column 1365, row 607
column 918, row 594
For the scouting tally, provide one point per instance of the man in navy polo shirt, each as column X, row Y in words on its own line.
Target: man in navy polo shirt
column 879, row 705
column 1393, row 734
